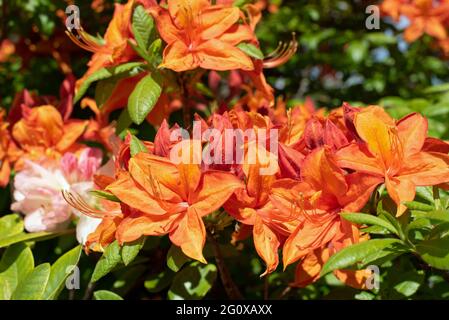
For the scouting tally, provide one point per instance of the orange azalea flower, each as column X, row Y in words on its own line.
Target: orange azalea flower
column 308, row 270
column 392, row 8
column 116, row 48
column 317, row 201
column 200, row 34
column 252, row 206
column 170, row 199
column 9, row 152
column 392, row 150
column 42, row 131
column 426, row 16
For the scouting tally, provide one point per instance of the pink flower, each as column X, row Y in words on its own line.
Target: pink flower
column 37, row 192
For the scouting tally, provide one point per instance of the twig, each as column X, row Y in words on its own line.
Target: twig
column 266, row 285
column 89, row 290
column 230, row 287
column 285, row 292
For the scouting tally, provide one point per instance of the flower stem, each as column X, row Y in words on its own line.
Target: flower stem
column 230, row 287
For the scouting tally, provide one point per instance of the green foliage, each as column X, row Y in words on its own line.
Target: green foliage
column 110, row 258
column 143, row 98
column 251, row 50
column 136, row 146
column 130, row 68
column 176, row 258
column 193, row 282
column 106, row 295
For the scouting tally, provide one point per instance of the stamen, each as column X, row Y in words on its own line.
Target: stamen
column 78, row 203
column 84, row 40
column 281, row 54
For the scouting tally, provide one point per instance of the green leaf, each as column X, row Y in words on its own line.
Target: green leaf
column 143, row 99
column 437, row 88
column 110, row 258
column 438, row 215
column 357, row 50
column 16, row 263
column 435, row 252
column 104, row 195
column 106, row 295
column 176, row 258
column 10, row 225
column 380, row 38
column 251, row 50
column 35, row 236
column 136, row 146
column 363, row 218
column 356, row 253
column 104, row 89
column 392, row 220
column 364, row 295
column 193, row 282
column 59, row 272
column 33, row 286
column 159, row 281
column 425, row 193
column 142, row 27
column 105, row 73
column 414, row 205
column 123, row 121
column 130, row 250
column 408, row 285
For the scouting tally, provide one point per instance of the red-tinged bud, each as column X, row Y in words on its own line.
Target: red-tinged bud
column 314, row 134
column 333, row 136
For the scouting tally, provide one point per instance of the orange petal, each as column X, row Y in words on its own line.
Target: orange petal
column 236, row 34
column 353, row 278
column 266, row 243
column 308, row 270
column 189, row 160
column 178, row 58
column 134, row 195
column 360, row 189
column 218, row 55
column 217, row 20
column 290, row 251
column 135, row 226
column 72, row 131
column 435, row 28
column 214, row 190
column 158, row 176
column 5, row 171
column 320, row 170
column 415, row 30
column 352, row 157
column 167, row 30
column 43, row 126
column 426, row 168
column 377, row 129
column 104, row 234
column 412, row 131
column 400, row 190
column 310, row 236
column 119, row 25
column 184, row 12
column 190, row 235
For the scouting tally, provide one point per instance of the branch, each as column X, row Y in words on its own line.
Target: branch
column 230, row 287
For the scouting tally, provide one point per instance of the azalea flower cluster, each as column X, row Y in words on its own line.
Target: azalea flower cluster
column 325, row 163
column 42, row 145
column 424, row 17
